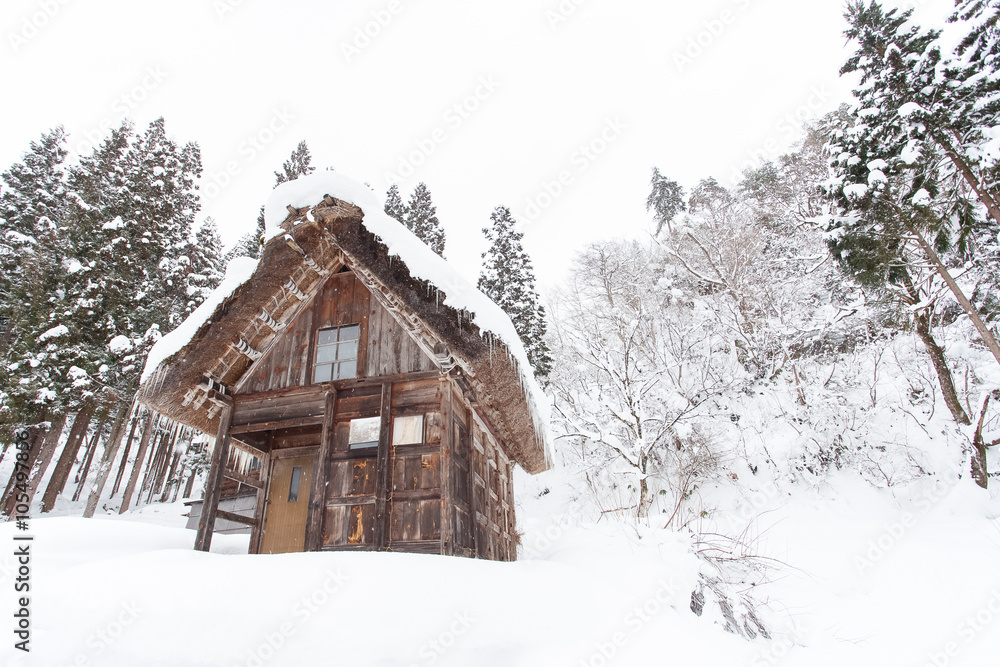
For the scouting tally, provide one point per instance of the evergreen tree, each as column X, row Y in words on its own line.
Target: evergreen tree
column 666, row 199
column 906, row 161
column 136, row 200
column 206, row 270
column 31, row 206
column 509, row 280
column 421, row 219
column 37, row 366
column 394, row 206
column 299, row 163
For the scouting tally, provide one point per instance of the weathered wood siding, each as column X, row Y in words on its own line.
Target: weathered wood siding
column 485, row 525
column 413, row 496
column 385, row 348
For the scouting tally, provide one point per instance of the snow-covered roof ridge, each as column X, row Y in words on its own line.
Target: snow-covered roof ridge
column 422, row 263
column 340, row 220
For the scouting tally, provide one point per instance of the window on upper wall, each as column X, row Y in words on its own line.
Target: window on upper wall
column 408, row 430
column 336, row 353
column 364, row 433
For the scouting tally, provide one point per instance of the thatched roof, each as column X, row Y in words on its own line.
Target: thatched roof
column 322, row 239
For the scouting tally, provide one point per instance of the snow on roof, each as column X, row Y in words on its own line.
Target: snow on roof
column 238, row 272
column 422, row 262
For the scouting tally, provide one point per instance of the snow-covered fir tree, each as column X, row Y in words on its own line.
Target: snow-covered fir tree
column 206, row 269
column 31, row 205
column 38, row 353
column 666, row 199
column 135, row 201
column 421, row 219
column 394, row 206
column 299, row 163
column 508, row 279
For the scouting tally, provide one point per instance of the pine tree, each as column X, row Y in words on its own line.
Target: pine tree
column 666, row 199
column 906, row 162
column 37, row 366
column 136, row 200
column 509, row 280
column 394, row 206
column 206, row 270
column 299, row 163
column 421, row 219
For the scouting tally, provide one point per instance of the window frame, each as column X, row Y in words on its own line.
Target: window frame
column 336, row 363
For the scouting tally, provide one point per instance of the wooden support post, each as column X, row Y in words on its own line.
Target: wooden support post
column 317, row 496
column 110, row 451
column 66, row 460
column 382, row 474
column 447, row 447
column 213, row 488
column 128, row 448
column 148, row 426
column 470, row 453
column 257, row 532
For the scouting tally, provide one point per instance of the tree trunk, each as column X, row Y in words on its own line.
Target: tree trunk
column 984, row 331
column 124, row 463
column 81, row 475
column 110, row 450
column 66, row 460
column 10, row 492
column 980, row 472
column 148, row 427
column 936, row 353
column 45, row 457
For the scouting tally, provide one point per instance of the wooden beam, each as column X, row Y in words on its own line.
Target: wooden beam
column 447, row 447
column 275, row 425
column 260, row 512
column 382, row 473
column 234, row 517
column 213, row 486
column 243, row 479
column 317, row 496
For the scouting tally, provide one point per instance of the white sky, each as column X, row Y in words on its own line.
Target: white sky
column 230, row 74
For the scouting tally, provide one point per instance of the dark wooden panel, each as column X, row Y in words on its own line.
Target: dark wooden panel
column 277, row 406
column 356, row 402
column 390, row 349
column 351, row 477
column 422, row 393
column 415, row 520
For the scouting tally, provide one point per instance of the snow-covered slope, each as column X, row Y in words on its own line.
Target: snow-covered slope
column 856, row 577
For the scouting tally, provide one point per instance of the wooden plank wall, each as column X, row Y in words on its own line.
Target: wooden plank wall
column 490, row 487
column 413, row 496
column 385, row 349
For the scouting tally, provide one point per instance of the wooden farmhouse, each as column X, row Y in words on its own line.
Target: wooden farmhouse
column 360, row 411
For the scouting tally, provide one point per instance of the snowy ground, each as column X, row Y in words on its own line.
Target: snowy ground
column 858, row 578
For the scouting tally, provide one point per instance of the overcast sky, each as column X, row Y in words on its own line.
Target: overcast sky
column 557, row 109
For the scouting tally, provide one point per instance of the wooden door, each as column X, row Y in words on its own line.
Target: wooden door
column 287, row 505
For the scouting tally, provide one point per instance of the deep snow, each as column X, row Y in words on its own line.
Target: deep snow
column 857, row 577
